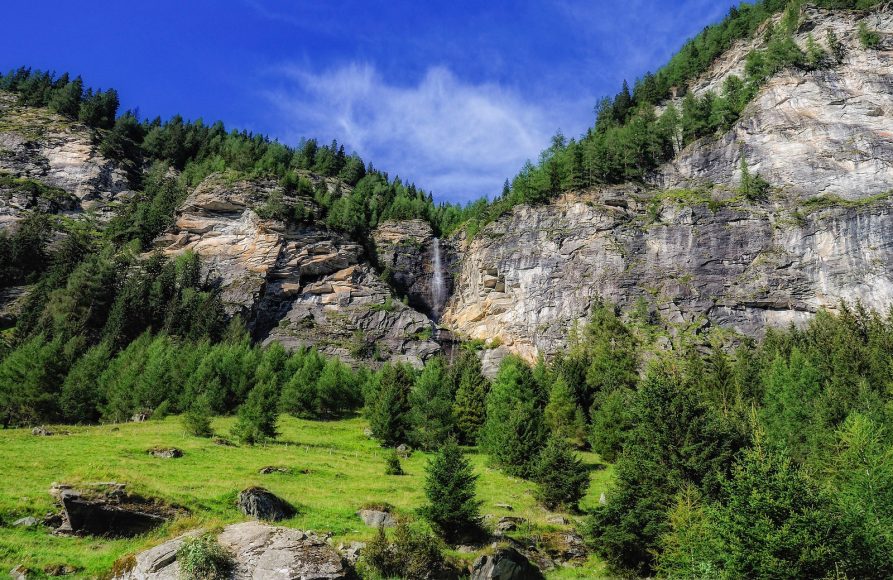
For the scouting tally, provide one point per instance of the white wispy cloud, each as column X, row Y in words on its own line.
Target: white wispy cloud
column 455, row 138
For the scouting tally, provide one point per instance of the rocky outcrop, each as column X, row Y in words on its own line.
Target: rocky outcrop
column 412, row 258
column 259, row 503
column 298, row 284
column 258, row 551
column 505, row 563
column 695, row 258
column 822, row 132
column 37, row 145
column 528, row 277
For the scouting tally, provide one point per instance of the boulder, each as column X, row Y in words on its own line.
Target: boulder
column 261, row 504
column 377, row 518
column 504, row 563
column 258, row 550
column 270, row 469
column 106, row 509
column 404, row 450
column 165, row 452
column 557, row 520
column 351, row 552
column 509, row 523
column 41, row 431
column 504, row 506
column 19, row 573
column 27, row 522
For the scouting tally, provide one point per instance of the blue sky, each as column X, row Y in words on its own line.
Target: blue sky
column 452, row 95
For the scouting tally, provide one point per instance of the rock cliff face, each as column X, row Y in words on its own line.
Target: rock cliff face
column 823, row 132
column 300, row 284
column 823, row 139
column 38, row 145
column 413, row 259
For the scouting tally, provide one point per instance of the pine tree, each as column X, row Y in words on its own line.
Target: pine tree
column 563, row 416
column 612, row 420
column 469, row 407
column 258, row 415
column 562, row 477
column 80, row 399
column 431, row 401
column 450, row 489
column 514, row 430
column 388, row 409
column 197, row 418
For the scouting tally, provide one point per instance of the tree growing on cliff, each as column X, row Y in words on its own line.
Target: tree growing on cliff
column 752, row 187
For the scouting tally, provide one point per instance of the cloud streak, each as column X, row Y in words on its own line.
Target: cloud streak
column 455, row 138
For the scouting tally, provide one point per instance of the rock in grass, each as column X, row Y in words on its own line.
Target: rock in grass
column 261, row 504
column 270, row 469
column 377, row 518
column 19, row 573
column 28, row 522
column 165, row 452
column 258, row 551
column 505, row 563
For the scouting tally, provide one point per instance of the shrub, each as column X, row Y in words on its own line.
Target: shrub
column 413, row 553
column 392, row 464
column 868, row 38
column 562, row 477
column 258, row 415
column 203, row 558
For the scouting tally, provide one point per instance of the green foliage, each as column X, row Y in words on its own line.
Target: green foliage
column 387, row 404
column 561, row 477
column 412, row 553
column 258, row 415
column 752, row 187
column 469, row 407
column 563, row 415
column 203, row 558
column 431, row 401
column 612, row 420
column 869, row 39
column 197, row 418
column 392, row 464
column 677, row 440
column 514, row 430
column 452, row 507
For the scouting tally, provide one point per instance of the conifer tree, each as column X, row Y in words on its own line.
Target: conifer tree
column 431, row 401
column 562, row 477
column 258, row 415
column 514, row 430
column 469, row 407
column 388, row 409
column 197, row 418
column 563, row 415
column 450, row 488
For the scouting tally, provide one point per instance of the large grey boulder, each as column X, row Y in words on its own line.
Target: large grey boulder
column 505, row 563
column 262, row 504
column 377, row 518
column 259, row 551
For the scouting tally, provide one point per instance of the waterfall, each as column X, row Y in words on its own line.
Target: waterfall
column 438, row 288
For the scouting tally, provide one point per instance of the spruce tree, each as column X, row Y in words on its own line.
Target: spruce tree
column 388, row 409
column 431, row 401
column 562, row 477
column 450, row 488
column 469, row 407
column 197, row 418
column 258, row 415
column 514, row 430
column 563, row 416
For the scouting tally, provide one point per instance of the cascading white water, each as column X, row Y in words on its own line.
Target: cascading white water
column 438, row 287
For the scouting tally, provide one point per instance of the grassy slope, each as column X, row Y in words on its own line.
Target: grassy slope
column 345, row 471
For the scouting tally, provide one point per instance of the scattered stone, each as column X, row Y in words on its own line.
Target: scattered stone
column 27, row 522
column 258, row 550
column 262, row 504
column 509, row 523
column 59, row 570
column 404, row 450
column 377, row 518
column 367, row 432
column 601, row 499
column 165, row 452
column 41, row 431
column 19, row 573
column 504, row 506
column 222, row 441
column 506, row 563
column 139, row 417
column 351, row 552
column 557, row 520
column 270, row 469
column 106, row 509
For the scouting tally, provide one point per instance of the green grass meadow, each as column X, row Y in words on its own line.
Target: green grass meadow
column 334, row 470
